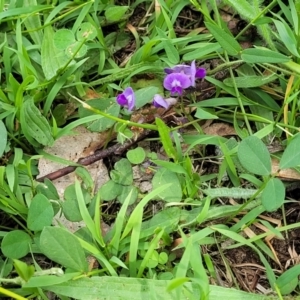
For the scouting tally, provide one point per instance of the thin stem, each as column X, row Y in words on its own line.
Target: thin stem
column 99, row 112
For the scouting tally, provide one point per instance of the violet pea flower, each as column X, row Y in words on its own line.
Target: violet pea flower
column 191, row 71
column 127, row 99
column 176, row 83
column 159, row 101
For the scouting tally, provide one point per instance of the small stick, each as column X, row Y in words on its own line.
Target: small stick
column 116, row 149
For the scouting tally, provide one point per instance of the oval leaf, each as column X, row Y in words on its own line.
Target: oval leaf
column 136, row 156
column 15, row 244
column 249, row 81
column 40, row 213
column 291, row 155
column 63, row 247
column 174, row 192
column 254, row 156
column 273, row 194
column 263, row 55
column 36, row 124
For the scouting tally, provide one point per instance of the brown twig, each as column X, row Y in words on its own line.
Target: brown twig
column 116, row 149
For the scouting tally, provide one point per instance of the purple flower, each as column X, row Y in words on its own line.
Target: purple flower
column 159, row 101
column 127, row 99
column 176, row 82
column 191, row 71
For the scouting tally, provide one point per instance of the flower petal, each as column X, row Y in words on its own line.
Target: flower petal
column 121, row 100
column 159, row 101
column 175, row 82
column 127, row 98
column 193, row 73
column 200, row 73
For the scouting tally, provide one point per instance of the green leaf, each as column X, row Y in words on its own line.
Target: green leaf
column 125, row 191
column 63, row 38
column 63, row 247
column 288, row 281
column 201, row 51
column 204, row 114
column 108, row 106
column 76, row 47
column 287, row 37
column 36, row 124
column 263, row 55
column 86, row 31
column 249, row 81
column 122, row 173
column 135, row 289
column 115, row 13
column 227, row 41
column 145, row 95
column 40, row 213
column 254, row 156
column 172, row 193
column 3, row 138
column 165, row 137
column 110, row 190
column 291, row 155
column 273, row 194
column 53, row 59
column 15, row 244
column 23, row 270
column 136, row 156
column 244, row 8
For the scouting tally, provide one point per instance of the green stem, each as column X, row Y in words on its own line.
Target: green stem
column 101, row 113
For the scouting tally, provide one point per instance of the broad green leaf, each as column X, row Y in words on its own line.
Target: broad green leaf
column 15, row 244
column 263, row 55
column 145, row 95
column 86, row 31
column 63, row 247
column 40, row 213
column 122, row 172
column 63, row 38
column 291, row 155
column 273, row 194
column 165, row 137
column 165, row 176
column 135, row 289
column 288, row 281
column 76, row 47
column 125, row 191
column 110, row 190
column 254, row 156
column 53, row 59
column 136, row 156
column 36, row 124
column 227, row 41
column 249, row 81
column 3, row 138
column 115, row 13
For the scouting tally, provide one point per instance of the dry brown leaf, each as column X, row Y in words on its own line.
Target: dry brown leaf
column 219, row 129
column 286, row 174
